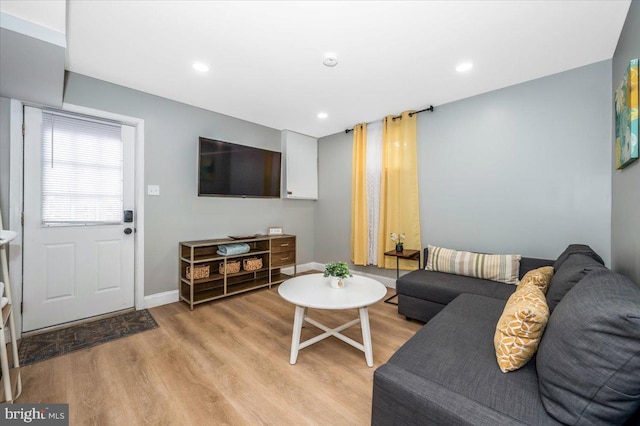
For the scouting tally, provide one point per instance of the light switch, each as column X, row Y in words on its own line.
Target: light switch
column 153, row 190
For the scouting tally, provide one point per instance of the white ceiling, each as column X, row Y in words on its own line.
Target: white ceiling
column 265, row 57
column 32, row 55
column 49, row 14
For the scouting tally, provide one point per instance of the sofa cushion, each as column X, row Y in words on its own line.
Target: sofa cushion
column 577, row 249
column 402, row 398
column 443, row 288
column 455, row 351
column 495, row 267
column 589, row 357
column 540, row 277
column 574, row 268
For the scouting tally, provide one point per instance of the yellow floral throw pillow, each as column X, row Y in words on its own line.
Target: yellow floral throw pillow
column 520, row 327
column 541, row 277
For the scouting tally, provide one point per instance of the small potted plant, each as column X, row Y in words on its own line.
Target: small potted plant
column 338, row 271
column 399, row 240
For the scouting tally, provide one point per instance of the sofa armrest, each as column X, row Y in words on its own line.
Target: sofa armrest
column 425, row 253
column 400, row 397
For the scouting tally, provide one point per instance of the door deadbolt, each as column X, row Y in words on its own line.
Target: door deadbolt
column 128, row 216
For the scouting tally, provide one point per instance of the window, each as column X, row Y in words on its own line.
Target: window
column 81, row 170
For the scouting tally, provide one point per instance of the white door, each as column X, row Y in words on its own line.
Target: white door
column 78, row 181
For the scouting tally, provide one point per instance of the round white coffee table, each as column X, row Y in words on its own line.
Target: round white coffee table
column 313, row 291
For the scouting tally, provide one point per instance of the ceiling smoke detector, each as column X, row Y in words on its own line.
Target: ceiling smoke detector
column 330, row 59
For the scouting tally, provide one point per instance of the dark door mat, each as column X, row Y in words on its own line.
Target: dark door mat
column 41, row 347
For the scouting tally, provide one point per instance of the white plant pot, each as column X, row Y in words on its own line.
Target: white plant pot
column 336, row 282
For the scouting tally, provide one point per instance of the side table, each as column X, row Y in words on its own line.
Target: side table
column 407, row 254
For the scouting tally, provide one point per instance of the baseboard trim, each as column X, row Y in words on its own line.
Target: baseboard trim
column 166, row 297
column 386, row 281
column 159, row 299
column 304, row 267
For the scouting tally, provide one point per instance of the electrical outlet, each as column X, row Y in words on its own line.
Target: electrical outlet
column 153, row 190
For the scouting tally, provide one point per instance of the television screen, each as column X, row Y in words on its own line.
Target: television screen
column 228, row 169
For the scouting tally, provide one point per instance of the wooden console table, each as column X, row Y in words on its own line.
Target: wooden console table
column 406, row 254
column 276, row 252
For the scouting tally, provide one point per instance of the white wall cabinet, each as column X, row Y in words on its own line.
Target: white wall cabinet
column 300, row 172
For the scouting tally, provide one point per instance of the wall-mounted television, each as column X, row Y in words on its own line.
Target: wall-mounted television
column 230, row 170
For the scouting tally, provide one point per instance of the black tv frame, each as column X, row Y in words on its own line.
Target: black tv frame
column 200, row 194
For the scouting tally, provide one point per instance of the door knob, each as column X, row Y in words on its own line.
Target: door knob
column 127, row 231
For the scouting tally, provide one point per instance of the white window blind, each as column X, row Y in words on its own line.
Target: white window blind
column 81, row 170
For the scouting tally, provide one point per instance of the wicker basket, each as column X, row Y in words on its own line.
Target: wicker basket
column 200, row 271
column 233, row 267
column 252, row 263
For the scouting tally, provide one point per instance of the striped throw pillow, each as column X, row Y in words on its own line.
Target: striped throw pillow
column 503, row 268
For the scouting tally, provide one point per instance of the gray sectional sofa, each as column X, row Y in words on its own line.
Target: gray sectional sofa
column 422, row 294
column 586, row 371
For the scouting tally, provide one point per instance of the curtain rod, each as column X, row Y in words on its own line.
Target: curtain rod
column 411, row 114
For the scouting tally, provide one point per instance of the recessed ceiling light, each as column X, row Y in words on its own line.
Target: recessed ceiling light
column 199, row 66
column 322, row 115
column 330, row 59
column 465, row 66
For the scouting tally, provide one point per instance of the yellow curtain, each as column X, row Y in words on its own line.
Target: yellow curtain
column 359, row 217
column 399, row 202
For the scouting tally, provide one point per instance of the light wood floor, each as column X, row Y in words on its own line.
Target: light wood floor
column 226, row 362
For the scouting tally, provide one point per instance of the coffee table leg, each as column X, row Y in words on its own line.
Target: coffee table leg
column 298, row 320
column 366, row 335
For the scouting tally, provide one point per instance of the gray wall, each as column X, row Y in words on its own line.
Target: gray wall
column 171, row 149
column 5, row 107
column 625, row 213
column 525, row 170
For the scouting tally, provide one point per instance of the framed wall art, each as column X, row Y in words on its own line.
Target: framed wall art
column 626, row 109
